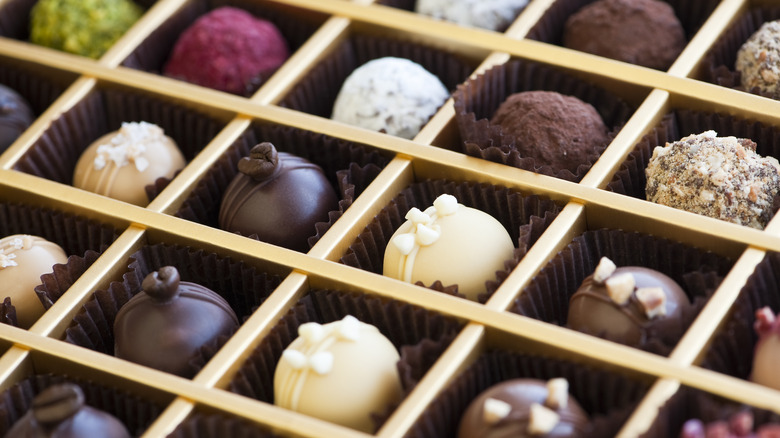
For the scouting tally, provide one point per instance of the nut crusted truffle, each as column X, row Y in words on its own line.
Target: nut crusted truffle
column 642, row 32
column 719, row 177
column 524, row 408
column 557, row 130
column 15, row 116
column 392, row 95
column 227, row 49
column 486, row 14
column 758, row 60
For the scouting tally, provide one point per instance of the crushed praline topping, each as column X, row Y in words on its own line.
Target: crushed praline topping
column 653, row 300
column 542, row 420
column 620, row 287
column 495, row 410
column 604, row 269
column 758, row 60
column 425, row 230
column 557, row 393
column 129, row 145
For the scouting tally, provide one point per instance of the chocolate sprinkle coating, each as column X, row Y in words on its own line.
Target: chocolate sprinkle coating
column 758, row 60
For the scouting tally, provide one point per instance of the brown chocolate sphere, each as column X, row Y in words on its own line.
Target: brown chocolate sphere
column 524, row 408
column 164, row 325
column 277, row 196
column 622, row 304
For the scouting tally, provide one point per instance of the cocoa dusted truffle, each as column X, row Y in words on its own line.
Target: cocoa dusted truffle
column 277, row 196
column 556, row 130
column 740, row 424
column 524, row 408
column 767, row 352
column 623, row 304
column 758, row 60
column 642, row 32
column 719, row 177
column 59, row 412
column 228, row 49
column 164, row 325
column 15, row 116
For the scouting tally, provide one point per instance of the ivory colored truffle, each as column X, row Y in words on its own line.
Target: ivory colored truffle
column 451, row 243
column 758, row 60
column 485, row 14
column 767, row 352
column 23, row 259
column 340, row 372
column 391, row 95
column 121, row 164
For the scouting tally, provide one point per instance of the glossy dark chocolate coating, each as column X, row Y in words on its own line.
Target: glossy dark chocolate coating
column 163, row 329
column 520, row 394
column 282, row 201
column 591, row 310
column 15, row 116
column 59, row 412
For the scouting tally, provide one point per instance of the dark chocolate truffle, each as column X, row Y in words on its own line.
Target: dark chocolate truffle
column 524, row 408
column 642, row 32
column 556, row 130
column 59, row 412
column 15, row 116
column 622, row 304
column 278, row 197
column 164, row 325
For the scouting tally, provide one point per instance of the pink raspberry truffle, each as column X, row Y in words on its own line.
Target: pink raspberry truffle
column 226, row 49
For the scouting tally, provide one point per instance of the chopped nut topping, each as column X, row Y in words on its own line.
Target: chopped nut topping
column 653, row 300
column 557, row 393
column 620, row 287
column 542, row 420
column 495, row 410
column 604, row 269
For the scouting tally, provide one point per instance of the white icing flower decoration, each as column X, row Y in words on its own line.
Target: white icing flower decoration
column 129, row 145
column 425, row 230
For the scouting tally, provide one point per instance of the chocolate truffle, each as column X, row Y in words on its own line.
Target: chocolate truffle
column 486, row 14
column 623, row 304
column 278, row 197
column 642, row 32
column 719, row 177
column 83, row 27
column 391, row 95
column 451, row 243
column 758, row 60
column 524, row 408
column 59, row 412
column 767, row 352
column 15, row 116
column 23, row 259
column 740, row 424
column 165, row 325
column 559, row 131
column 122, row 163
column 340, row 372
column 227, row 48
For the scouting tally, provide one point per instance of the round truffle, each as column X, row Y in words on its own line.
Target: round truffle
column 83, row 27
column 766, row 355
column 524, row 408
column 641, row 32
column 15, row 116
column 719, row 177
column 758, row 60
column 486, row 14
column 23, row 259
column 391, row 95
column 59, row 412
column 740, row 424
column 556, row 130
column 122, row 163
column 277, row 196
column 165, row 325
column 340, row 372
column 451, row 243
column 226, row 49
column 623, row 304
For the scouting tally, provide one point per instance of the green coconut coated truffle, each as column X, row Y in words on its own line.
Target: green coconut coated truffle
column 83, row 27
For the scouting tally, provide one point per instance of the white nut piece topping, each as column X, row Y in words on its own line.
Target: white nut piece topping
column 542, row 420
column 604, row 269
column 557, row 393
column 620, row 287
column 653, row 300
column 445, row 205
column 495, row 410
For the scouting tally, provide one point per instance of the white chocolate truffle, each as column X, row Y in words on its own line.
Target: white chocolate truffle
column 719, row 177
column 23, row 259
column 391, row 95
column 758, row 60
column 485, row 14
column 340, row 372
column 451, row 243
column 122, row 163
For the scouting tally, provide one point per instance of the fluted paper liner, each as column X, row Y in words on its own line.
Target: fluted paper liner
column 242, row 286
column 477, row 100
column 133, row 411
column 82, row 240
column 39, row 87
column 420, row 335
column 608, row 398
column 349, row 167
column 317, row 91
column 696, row 271
column 218, row 426
column 55, row 154
column 550, row 26
column 524, row 216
